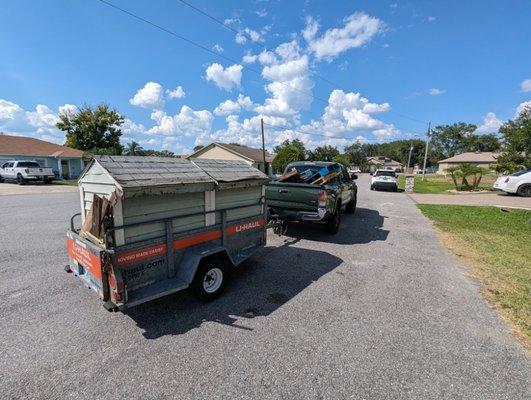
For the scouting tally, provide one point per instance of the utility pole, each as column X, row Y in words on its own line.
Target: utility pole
column 409, row 159
column 263, row 146
column 426, row 152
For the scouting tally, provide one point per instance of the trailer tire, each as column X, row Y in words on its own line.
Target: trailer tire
column 210, row 278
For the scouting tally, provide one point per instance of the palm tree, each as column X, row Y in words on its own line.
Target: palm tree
column 133, row 148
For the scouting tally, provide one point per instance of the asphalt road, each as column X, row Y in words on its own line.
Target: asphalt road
column 379, row 311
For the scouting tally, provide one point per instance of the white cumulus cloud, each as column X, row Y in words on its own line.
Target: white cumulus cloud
column 177, row 93
column 491, row 124
column 151, row 96
column 525, row 86
column 359, row 29
column 225, row 78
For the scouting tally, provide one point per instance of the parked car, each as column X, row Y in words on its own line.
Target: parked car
column 384, row 179
column 519, row 183
column 23, row 171
column 318, row 200
column 354, row 170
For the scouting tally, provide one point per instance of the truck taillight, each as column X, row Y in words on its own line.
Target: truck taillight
column 322, row 197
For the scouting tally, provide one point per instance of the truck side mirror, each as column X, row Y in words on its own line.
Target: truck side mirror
column 354, row 176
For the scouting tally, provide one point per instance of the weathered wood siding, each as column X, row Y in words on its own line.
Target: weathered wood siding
column 96, row 181
column 236, row 197
column 147, row 208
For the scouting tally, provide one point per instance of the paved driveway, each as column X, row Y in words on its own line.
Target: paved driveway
column 379, row 311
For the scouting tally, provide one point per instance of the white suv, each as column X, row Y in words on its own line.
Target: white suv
column 519, row 183
column 384, row 179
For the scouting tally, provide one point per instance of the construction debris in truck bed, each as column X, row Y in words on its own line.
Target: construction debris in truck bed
column 311, row 174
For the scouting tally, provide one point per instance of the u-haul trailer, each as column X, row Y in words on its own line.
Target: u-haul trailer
column 152, row 226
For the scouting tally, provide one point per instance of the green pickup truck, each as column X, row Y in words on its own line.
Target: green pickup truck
column 313, row 202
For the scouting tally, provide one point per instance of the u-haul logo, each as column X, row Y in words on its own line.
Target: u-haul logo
column 245, row 226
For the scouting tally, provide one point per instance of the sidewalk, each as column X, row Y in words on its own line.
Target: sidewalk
column 494, row 199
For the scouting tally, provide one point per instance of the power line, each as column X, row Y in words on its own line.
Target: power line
column 331, row 83
column 198, row 45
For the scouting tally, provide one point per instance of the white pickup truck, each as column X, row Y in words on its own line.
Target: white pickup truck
column 23, row 171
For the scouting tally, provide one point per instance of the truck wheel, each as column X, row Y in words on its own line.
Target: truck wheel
column 210, row 279
column 332, row 225
column 351, row 206
column 524, row 191
column 20, row 180
column 372, row 187
column 1, row 179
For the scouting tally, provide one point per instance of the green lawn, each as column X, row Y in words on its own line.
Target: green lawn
column 440, row 184
column 497, row 245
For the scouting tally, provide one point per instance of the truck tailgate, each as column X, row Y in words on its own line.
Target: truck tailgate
column 297, row 196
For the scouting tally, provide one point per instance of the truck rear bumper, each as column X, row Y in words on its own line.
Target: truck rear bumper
column 293, row 215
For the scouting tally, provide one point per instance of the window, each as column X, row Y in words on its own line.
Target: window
column 28, row 164
column 386, row 173
column 5, row 165
column 519, row 173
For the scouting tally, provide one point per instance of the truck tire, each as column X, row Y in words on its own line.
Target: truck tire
column 350, row 208
column 332, row 225
column 1, row 179
column 524, row 190
column 20, row 180
column 210, row 278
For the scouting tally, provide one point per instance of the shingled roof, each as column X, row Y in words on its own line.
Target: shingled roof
column 472, row 157
column 229, row 170
column 28, row 146
column 249, row 153
column 134, row 171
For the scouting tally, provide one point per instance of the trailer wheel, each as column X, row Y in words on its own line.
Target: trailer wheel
column 210, row 279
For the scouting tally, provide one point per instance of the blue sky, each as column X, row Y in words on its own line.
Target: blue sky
column 388, row 68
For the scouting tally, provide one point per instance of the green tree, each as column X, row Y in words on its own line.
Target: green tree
column 97, row 130
column 287, row 152
column 133, row 149
column 449, row 140
column 488, row 142
column 342, row 159
column 323, row 153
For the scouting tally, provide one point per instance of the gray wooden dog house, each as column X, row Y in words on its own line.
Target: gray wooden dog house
column 147, row 189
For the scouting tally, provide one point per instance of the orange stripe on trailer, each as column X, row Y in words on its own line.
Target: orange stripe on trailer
column 145, row 253
column 245, row 226
column 90, row 261
column 183, row 243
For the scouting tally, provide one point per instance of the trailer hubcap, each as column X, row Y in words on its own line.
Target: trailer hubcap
column 212, row 280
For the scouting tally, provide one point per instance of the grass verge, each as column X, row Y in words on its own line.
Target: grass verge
column 496, row 245
column 434, row 183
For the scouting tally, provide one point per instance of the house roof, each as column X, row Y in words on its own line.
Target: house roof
column 386, row 161
column 471, row 157
column 229, row 170
column 28, row 146
column 249, row 153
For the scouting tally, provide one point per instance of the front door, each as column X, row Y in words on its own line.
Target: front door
column 65, row 169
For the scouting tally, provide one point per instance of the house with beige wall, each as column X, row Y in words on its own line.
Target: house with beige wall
column 484, row 159
column 223, row 151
